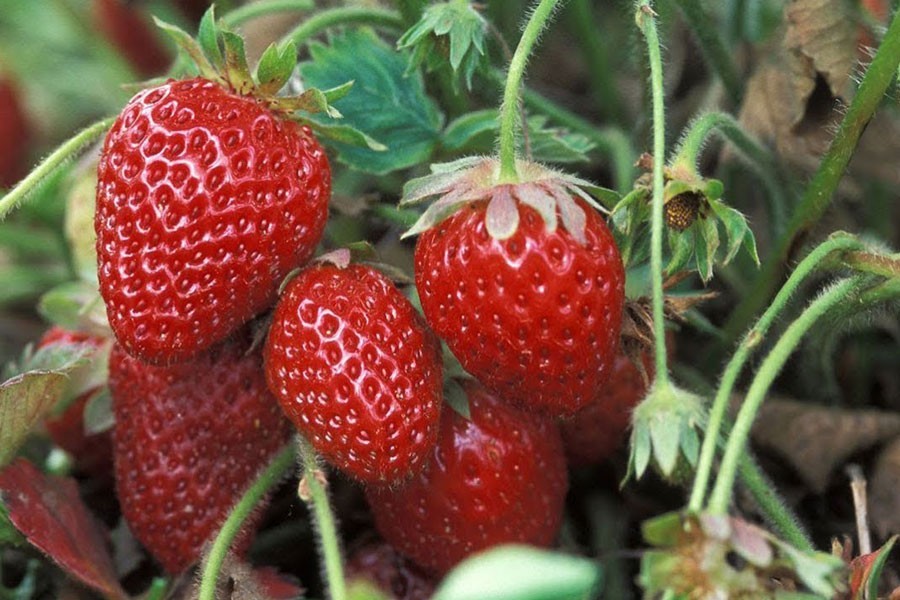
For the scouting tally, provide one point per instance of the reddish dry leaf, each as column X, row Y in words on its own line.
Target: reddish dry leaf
column 860, row 569
column 816, row 439
column 51, row 514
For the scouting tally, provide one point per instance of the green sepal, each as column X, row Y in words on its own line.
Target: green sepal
column 456, row 398
column 275, row 67
column 346, row 135
column 189, row 46
column 311, row 101
column 208, row 37
column 707, row 245
column 237, row 72
column 681, row 246
column 737, row 232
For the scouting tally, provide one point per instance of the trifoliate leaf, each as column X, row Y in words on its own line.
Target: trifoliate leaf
column 384, row 104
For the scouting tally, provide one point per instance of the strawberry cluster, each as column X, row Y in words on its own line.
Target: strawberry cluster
column 211, row 201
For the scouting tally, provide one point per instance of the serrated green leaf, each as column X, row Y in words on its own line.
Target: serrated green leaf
column 208, row 38
column 275, row 67
column 527, row 574
column 384, row 104
column 25, row 399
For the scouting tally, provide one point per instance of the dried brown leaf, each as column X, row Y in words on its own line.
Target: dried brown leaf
column 826, row 32
column 816, row 439
column 884, row 493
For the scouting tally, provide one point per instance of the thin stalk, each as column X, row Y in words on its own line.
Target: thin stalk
column 594, row 51
column 772, row 506
column 344, row 15
column 698, row 133
column 771, row 366
column 323, row 518
column 57, row 158
column 837, row 243
column 819, row 193
column 254, row 10
column 251, row 498
column 647, row 23
column 509, row 109
column 610, row 140
column 713, row 47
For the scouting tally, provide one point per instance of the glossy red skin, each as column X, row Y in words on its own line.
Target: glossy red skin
column 130, row 30
column 205, row 202
column 380, row 564
column 92, row 453
column 14, row 134
column 536, row 317
column 497, row 478
column 356, row 370
column 188, row 440
column 595, row 432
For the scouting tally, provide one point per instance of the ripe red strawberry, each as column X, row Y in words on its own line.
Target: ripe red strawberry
column 356, row 370
column 205, row 201
column 188, row 440
column 14, row 133
column 535, row 316
column 596, row 431
column 497, row 478
column 380, row 564
column 92, row 453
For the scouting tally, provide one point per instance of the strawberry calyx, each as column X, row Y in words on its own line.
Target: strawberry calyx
column 219, row 56
column 553, row 194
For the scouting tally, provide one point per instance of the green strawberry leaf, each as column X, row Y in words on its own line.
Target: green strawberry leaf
column 34, row 387
column 98, row 413
column 384, row 104
column 527, row 574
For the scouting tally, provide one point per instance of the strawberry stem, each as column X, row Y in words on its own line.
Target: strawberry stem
column 254, row 10
column 735, row 449
column 646, row 19
column 837, row 243
column 67, row 151
column 323, row 519
column 509, row 109
column 772, row 506
column 251, row 498
column 325, row 19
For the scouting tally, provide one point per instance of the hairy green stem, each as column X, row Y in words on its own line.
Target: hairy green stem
column 269, row 477
column 771, row 366
column 344, row 15
column 820, row 191
column 837, row 243
column 772, row 506
column 57, row 158
column 254, row 10
column 158, row 588
column 687, row 155
column 713, row 47
column 323, row 518
column 593, row 49
column 509, row 109
column 647, row 22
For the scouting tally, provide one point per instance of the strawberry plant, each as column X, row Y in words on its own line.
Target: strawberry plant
column 340, row 306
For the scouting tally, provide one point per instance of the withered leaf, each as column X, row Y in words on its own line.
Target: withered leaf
column 816, row 439
column 826, row 32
